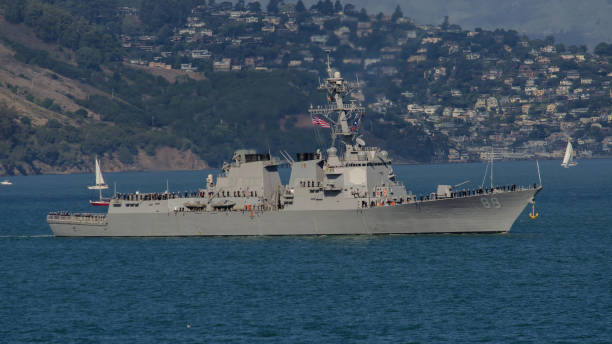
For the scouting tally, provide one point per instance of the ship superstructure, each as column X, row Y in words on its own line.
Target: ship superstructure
column 350, row 188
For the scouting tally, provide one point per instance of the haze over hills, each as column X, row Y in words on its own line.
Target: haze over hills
column 571, row 22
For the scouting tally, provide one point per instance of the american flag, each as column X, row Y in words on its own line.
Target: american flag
column 321, row 123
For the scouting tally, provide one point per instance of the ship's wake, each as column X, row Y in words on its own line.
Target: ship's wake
column 27, row 236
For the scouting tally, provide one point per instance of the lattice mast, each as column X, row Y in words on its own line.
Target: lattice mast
column 345, row 119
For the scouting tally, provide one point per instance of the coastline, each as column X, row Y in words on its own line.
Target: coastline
column 179, row 168
column 443, row 162
column 164, row 159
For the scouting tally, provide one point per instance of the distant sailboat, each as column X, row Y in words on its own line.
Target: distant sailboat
column 568, row 158
column 100, row 185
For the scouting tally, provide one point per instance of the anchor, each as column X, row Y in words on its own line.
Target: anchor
column 533, row 215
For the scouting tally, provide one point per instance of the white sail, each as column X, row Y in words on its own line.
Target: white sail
column 568, row 158
column 99, row 178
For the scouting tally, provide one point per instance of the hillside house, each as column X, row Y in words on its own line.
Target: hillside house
column 573, row 74
column 342, row 32
column 355, row 61
column 222, row 66
column 430, row 40
column 271, row 20
column 200, row 54
column 187, row 67
column 525, row 71
column 318, row 39
column 414, row 108
column 472, row 56
column 368, row 62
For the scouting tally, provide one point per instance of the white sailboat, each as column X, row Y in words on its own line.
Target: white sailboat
column 6, row 182
column 568, row 158
column 100, row 185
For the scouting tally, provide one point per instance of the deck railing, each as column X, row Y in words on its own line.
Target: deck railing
column 77, row 218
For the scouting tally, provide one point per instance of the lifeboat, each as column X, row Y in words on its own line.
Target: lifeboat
column 225, row 204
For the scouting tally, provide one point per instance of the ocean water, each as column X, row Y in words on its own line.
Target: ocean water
column 547, row 281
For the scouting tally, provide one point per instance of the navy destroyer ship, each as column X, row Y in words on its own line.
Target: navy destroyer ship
column 350, row 188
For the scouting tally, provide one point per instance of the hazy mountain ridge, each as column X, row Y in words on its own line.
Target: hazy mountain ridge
column 571, row 22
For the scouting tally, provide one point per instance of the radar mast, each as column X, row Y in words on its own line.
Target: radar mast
column 344, row 115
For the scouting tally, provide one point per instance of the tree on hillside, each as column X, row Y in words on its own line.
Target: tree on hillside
column 397, row 13
column 239, row 6
column 324, row 7
column 363, row 15
column 254, row 6
column 445, row 23
column 155, row 14
column 350, row 9
column 603, row 49
column 337, row 6
column 32, row 13
column 273, row 6
column 8, row 126
column 88, row 57
column 299, row 7
column 14, row 11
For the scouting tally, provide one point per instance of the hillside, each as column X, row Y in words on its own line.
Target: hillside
column 67, row 105
column 43, row 108
column 136, row 82
column 56, row 124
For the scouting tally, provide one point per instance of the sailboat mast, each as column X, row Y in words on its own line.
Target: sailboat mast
column 491, row 167
column 97, row 171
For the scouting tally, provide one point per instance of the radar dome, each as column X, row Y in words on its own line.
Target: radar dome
column 337, row 75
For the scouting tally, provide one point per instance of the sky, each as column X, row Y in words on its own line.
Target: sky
column 577, row 22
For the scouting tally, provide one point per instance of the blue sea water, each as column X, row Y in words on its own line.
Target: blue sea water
column 547, row 281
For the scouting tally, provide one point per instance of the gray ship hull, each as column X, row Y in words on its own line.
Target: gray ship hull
column 489, row 213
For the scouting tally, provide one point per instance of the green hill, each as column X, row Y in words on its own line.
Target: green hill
column 172, row 84
column 68, row 97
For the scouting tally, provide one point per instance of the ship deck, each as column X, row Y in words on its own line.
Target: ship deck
column 77, row 218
